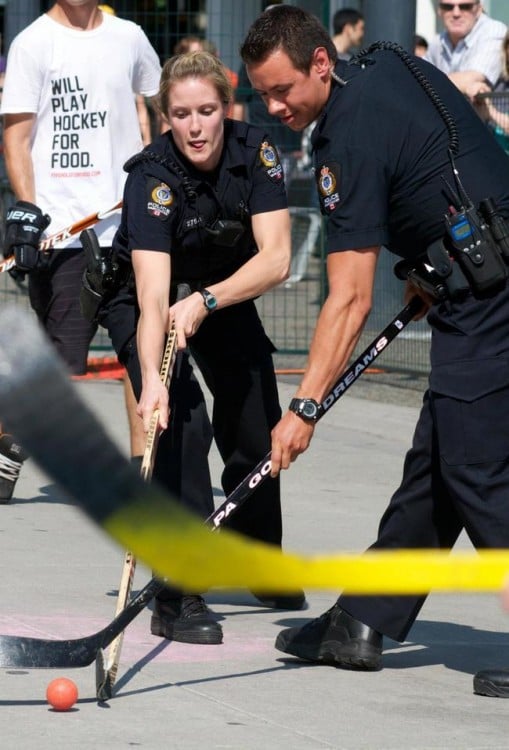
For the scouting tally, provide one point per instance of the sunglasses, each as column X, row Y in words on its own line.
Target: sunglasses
column 447, row 7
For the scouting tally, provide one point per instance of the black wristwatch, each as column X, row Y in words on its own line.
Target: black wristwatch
column 209, row 300
column 306, row 408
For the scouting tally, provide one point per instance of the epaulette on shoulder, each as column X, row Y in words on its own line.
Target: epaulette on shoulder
column 250, row 134
column 143, row 156
column 169, row 164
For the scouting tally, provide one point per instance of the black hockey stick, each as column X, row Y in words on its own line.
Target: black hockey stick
column 262, row 470
column 40, row 653
column 113, row 484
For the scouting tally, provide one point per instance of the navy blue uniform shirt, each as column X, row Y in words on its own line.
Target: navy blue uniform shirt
column 383, row 144
column 172, row 207
column 380, row 150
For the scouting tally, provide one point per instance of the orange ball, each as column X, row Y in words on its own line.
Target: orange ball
column 62, row 693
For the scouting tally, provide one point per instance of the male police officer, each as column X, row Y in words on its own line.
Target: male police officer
column 401, row 160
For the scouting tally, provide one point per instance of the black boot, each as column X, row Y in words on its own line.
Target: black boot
column 294, row 601
column 335, row 638
column 186, row 619
column 492, row 682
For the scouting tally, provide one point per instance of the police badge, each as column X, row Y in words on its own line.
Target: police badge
column 160, row 199
column 269, row 157
column 327, row 188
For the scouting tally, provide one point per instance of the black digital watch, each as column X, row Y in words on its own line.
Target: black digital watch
column 306, row 408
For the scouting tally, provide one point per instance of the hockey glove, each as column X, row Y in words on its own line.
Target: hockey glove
column 24, row 226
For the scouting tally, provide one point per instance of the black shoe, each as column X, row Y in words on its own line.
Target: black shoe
column 335, row 638
column 492, row 682
column 12, row 456
column 186, row 619
column 295, row 601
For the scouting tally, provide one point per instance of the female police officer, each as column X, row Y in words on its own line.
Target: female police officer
column 205, row 204
column 402, row 160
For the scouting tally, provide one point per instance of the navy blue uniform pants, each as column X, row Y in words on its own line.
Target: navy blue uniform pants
column 235, row 358
column 456, row 476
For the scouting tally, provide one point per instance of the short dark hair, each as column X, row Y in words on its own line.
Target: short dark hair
column 420, row 41
column 291, row 30
column 345, row 17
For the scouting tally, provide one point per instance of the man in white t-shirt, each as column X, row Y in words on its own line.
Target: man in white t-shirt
column 70, row 123
column 469, row 50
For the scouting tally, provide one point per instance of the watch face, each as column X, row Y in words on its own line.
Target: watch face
column 211, row 302
column 309, row 409
column 306, row 408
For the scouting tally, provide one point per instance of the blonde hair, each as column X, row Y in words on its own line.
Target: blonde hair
column 194, row 65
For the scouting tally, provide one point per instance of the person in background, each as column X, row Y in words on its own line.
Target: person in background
column 468, row 49
column 420, row 46
column 348, row 31
column 141, row 104
column 495, row 110
column 69, row 126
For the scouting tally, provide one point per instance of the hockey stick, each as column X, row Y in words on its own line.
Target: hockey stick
column 79, row 226
column 106, row 670
column 262, row 470
column 39, row 653
column 113, row 483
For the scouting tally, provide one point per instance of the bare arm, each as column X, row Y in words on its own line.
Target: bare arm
column 143, row 119
column 161, row 123
column 351, row 276
column 152, row 272
column 266, row 269
column 469, row 82
column 18, row 154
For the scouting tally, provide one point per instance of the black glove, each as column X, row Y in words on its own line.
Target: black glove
column 24, row 226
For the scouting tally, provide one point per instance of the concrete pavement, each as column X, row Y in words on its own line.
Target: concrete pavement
column 59, row 580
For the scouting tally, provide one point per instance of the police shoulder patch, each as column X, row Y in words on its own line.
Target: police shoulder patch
column 269, row 157
column 160, row 198
column 327, row 179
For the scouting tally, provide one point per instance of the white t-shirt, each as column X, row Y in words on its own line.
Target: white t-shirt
column 81, row 85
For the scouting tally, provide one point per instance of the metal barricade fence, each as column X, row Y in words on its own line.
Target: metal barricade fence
column 493, row 108
column 289, row 312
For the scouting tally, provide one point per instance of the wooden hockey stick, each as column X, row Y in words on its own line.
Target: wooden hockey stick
column 79, row 226
column 107, row 667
